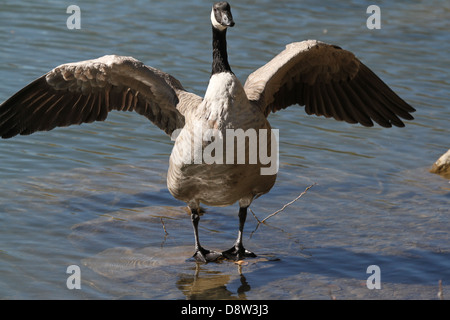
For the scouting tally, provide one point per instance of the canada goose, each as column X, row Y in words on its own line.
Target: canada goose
column 326, row 79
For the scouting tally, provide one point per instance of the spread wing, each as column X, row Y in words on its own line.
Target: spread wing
column 328, row 81
column 87, row 91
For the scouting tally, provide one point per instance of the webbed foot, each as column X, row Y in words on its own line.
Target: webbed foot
column 238, row 253
column 203, row 255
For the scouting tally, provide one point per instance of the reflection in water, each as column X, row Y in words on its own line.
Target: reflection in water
column 145, row 268
column 207, row 284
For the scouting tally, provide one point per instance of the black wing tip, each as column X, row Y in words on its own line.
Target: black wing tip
column 411, row 108
column 405, row 115
column 9, row 134
column 397, row 123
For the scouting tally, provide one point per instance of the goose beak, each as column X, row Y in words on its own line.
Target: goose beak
column 227, row 20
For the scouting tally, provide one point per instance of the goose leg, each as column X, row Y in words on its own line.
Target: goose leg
column 238, row 252
column 201, row 254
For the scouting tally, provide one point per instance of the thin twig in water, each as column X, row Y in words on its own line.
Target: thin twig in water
column 254, row 215
column 288, row 204
column 164, row 227
column 279, row 210
column 165, row 232
column 259, row 222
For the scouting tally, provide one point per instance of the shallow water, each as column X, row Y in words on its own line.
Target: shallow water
column 95, row 195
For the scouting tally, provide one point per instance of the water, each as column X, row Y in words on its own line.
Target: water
column 95, row 195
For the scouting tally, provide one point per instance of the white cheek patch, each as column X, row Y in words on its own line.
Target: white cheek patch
column 214, row 22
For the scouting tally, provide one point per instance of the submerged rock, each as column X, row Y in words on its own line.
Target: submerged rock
column 442, row 165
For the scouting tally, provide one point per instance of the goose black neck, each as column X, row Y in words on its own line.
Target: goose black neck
column 220, row 56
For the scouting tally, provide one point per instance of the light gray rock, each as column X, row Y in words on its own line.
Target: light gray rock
column 442, row 165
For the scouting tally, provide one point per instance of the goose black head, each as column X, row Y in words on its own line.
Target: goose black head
column 221, row 17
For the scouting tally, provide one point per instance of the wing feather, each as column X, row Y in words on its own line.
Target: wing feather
column 86, row 91
column 328, row 81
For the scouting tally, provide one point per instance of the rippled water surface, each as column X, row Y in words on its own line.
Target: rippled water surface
column 95, row 195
